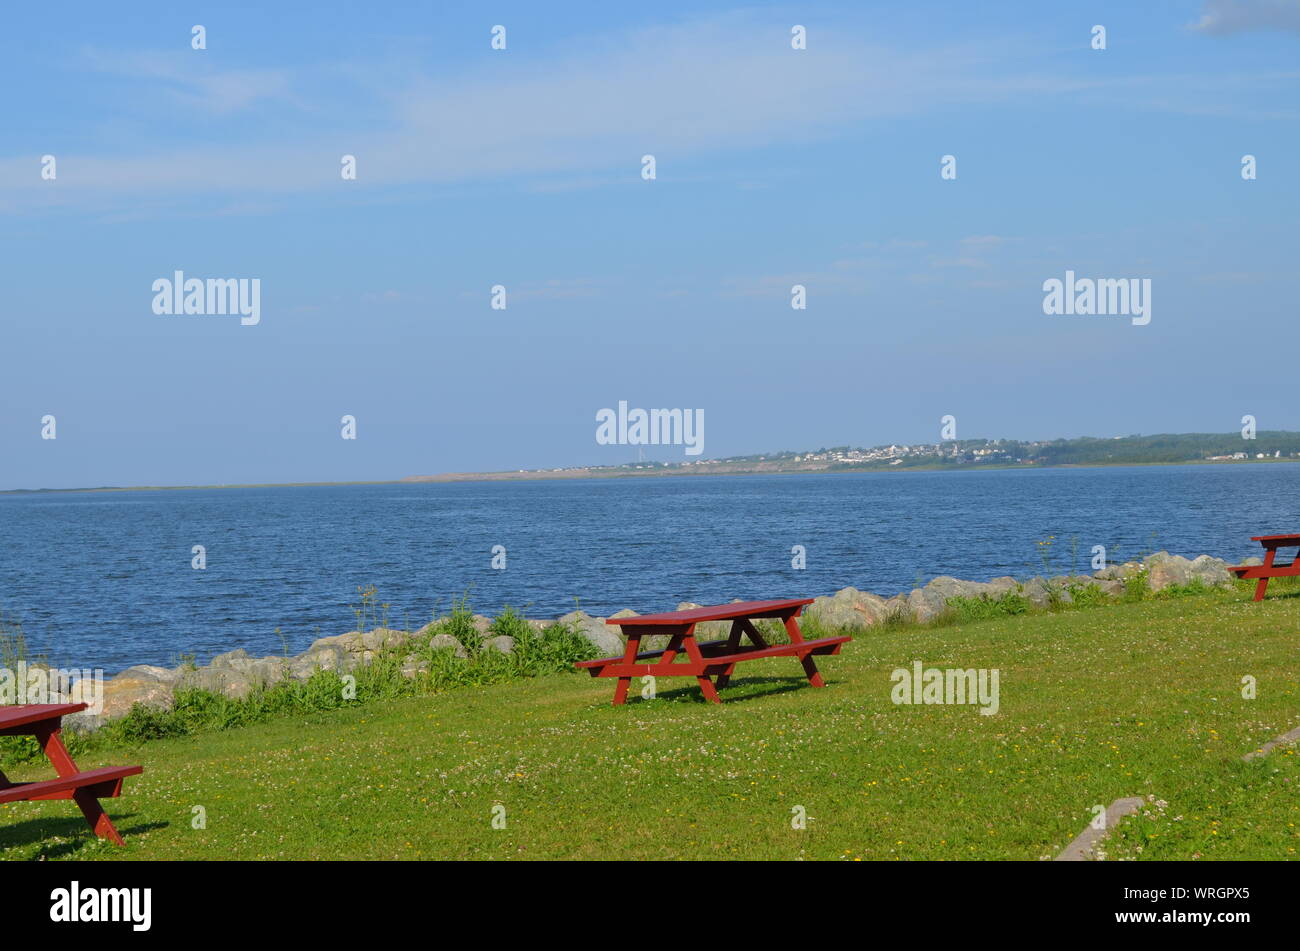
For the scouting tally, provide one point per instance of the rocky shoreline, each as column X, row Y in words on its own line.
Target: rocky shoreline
column 235, row 674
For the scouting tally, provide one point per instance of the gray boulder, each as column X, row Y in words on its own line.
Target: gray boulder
column 264, row 671
column 1212, row 571
column 947, row 587
column 226, row 681
column 1114, row 589
column 382, row 638
column 503, row 643
column 925, row 605
column 1035, row 590
column 151, row 686
column 1164, row 570
column 447, row 642
column 849, row 609
column 1000, row 586
column 320, row 656
column 148, row 672
column 603, row 637
column 898, row 608
column 1118, row 572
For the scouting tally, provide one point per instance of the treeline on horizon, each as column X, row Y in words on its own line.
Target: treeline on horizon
column 1091, row 450
column 1184, row 447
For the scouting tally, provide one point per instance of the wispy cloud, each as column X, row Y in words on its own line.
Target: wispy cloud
column 567, row 120
column 1223, row 17
column 193, row 84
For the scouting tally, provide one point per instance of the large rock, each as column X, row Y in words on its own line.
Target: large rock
column 233, row 660
column 1212, row 571
column 925, row 605
column 1118, row 572
column 1165, row 570
column 1003, row 585
column 602, row 636
column 349, row 643
column 1114, row 589
column 382, row 638
column 226, row 681
column 151, row 686
column 898, row 608
column 264, row 671
column 320, row 656
column 947, row 587
column 503, row 643
column 1035, row 590
column 359, row 647
column 849, row 609
column 447, row 642
column 151, row 673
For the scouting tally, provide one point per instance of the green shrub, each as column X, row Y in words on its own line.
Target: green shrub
column 1135, row 586
column 1087, row 595
column 984, row 608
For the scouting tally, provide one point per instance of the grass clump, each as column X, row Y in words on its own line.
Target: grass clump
column 1009, row 604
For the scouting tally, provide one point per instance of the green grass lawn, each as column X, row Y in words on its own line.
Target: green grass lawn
column 1129, row 699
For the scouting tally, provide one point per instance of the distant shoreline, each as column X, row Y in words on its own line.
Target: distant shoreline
column 722, row 469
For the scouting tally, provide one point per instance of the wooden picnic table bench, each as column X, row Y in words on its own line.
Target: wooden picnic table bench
column 711, row 658
column 1268, row 570
column 45, row 722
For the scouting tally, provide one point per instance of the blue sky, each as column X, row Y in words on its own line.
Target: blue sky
column 522, row 168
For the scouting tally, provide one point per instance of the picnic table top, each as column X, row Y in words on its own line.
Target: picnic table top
column 715, row 612
column 1275, row 538
column 36, row 713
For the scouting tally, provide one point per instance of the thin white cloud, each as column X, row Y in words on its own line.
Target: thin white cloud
column 1224, row 17
column 193, row 84
column 583, row 117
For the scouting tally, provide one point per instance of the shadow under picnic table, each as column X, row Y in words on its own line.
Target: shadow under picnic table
column 72, row 833
column 735, row 691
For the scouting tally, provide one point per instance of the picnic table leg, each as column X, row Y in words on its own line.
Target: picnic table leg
column 630, row 650
column 52, row 745
column 1262, row 584
column 733, row 641
column 96, row 816
column 706, row 688
column 796, row 637
column 810, row 668
column 620, row 692
column 697, row 659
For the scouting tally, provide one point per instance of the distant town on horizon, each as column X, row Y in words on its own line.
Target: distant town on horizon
column 1136, row 449
column 1160, row 449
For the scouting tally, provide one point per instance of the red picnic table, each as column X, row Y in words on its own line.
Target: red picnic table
column 1268, row 570
column 45, row 722
column 712, row 658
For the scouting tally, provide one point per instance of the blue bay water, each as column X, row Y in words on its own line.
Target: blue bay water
column 104, row 579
